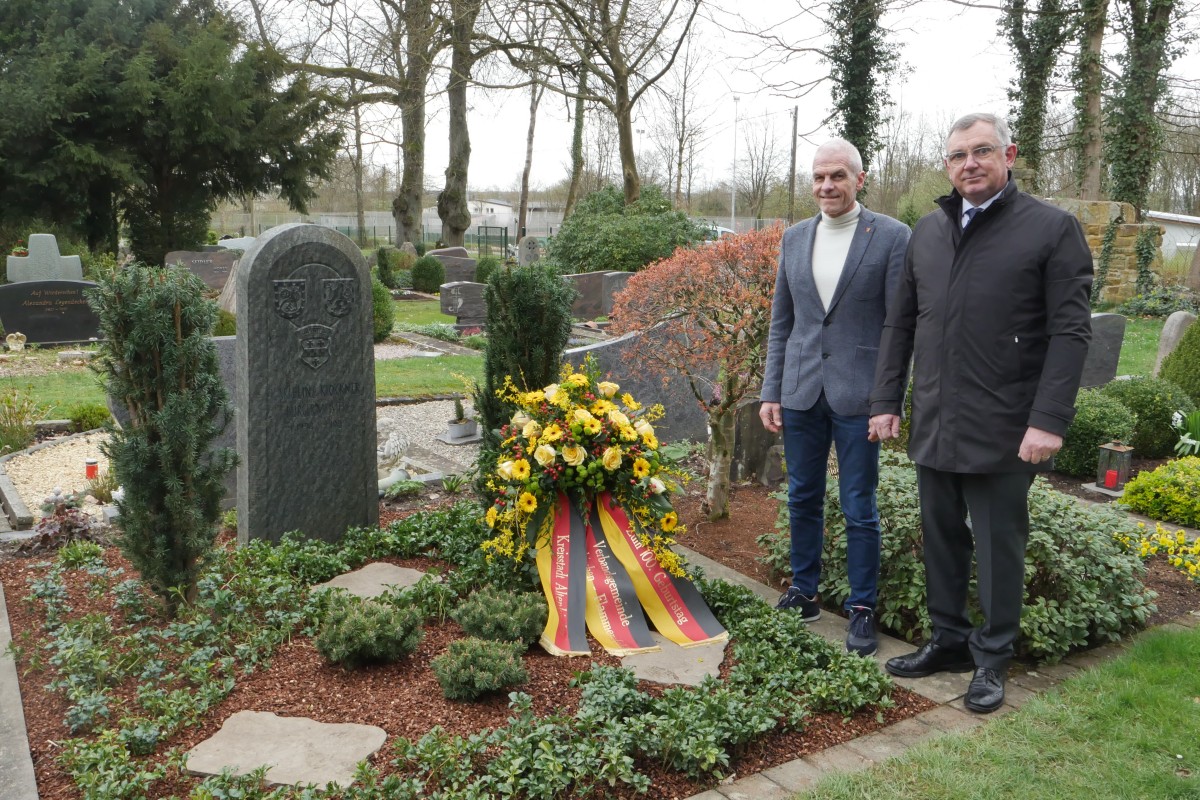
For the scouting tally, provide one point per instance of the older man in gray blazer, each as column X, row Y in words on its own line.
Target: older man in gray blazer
column 836, row 273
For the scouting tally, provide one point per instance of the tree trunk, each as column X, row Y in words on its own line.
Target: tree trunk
column 535, row 97
column 629, row 174
column 1090, row 85
column 406, row 207
column 452, row 205
column 577, row 146
column 720, row 460
column 360, row 210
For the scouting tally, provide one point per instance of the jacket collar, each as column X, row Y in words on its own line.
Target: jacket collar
column 951, row 203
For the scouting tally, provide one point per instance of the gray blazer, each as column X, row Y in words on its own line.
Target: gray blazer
column 810, row 349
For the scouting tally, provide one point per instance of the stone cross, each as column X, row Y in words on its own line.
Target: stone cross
column 305, row 386
column 44, row 262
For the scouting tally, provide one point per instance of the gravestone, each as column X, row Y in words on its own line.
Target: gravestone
column 305, row 386
column 1100, row 366
column 410, row 248
column 589, row 303
column 465, row 301
column 614, row 283
column 1193, row 276
column 459, row 266
column 529, row 251
column 1173, row 330
column 754, row 447
column 242, row 243
column 212, row 267
column 684, row 418
column 44, row 262
column 49, row 312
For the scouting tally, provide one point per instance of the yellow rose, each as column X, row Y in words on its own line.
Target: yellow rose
column 490, row 517
column 544, row 455
column 612, row 458
column 582, row 415
column 505, row 470
column 552, row 433
column 607, row 389
column 641, row 468
column 573, row 454
column 531, row 430
column 528, row 503
column 643, row 427
column 520, row 420
column 657, row 486
column 550, row 392
column 520, row 469
column 618, row 419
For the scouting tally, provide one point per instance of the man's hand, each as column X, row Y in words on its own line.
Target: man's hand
column 1039, row 445
column 771, row 415
column 882, row 427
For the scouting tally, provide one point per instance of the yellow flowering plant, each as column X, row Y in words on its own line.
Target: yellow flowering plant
column 581, row 437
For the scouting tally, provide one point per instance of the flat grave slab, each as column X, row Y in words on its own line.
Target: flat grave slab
column 296, row 750
column 673, row 664
column 374, row 579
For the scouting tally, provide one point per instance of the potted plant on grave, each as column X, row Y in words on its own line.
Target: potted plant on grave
column 462, row 426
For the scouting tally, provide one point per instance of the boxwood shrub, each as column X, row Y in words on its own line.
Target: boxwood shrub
column 1082, row 585
column 1152, row 401
column 1099, row 418
column 428, row 274
column 1182, row 365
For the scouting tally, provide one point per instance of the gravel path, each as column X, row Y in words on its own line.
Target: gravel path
column 60, row 465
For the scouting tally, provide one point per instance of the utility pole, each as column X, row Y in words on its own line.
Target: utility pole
column 792, row 173
column 733, row 177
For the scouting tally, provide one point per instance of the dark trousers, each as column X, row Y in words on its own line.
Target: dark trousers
column 807, row 436
column 998, row 531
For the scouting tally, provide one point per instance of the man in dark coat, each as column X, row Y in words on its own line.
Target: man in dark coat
column 993, row 309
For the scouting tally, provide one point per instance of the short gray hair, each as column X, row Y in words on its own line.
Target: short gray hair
column 846, row 148
column 999, row 125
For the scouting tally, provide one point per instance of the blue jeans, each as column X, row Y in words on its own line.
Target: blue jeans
column 806, row 439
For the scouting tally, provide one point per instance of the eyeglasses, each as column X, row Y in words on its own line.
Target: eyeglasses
column 958, row 157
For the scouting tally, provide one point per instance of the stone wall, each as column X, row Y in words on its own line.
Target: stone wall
column 1120, row 283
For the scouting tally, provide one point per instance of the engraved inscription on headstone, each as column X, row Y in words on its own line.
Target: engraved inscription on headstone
column 49, row 312
column 1100, row 366
column 305, row 386
column 44, row 262
column 212, row 267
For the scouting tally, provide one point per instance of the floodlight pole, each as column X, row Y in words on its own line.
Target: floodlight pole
column 733, row 177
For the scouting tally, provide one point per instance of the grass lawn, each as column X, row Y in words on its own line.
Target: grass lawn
column 57, row 391
column 1129, row 729
column 420, row 312
column 1140, row 346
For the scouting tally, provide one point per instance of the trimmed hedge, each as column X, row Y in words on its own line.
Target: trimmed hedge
column 1098, row 419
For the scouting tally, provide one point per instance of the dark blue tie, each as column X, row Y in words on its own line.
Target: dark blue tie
column 970, row 215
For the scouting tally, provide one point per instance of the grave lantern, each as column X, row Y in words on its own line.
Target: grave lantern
column 1112, row 471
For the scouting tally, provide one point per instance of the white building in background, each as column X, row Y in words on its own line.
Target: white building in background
column 542, row 221
column 1181, row 233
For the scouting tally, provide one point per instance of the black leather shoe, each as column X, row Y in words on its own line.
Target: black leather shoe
column 930, row 659
column 986, row 692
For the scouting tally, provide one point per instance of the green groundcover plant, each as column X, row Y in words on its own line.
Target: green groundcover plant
column 1082, row 577
column 132, row 680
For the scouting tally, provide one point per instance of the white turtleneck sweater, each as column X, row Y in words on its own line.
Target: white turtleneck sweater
column 830, row 248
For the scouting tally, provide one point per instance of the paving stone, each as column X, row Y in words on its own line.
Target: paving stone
column 837, row 759
column 374, row 579
column 672, row 664
column 950, row 719
column 755, row 787
column 878, row 746
column 941, row 687
column 795, row 776
column 711, row 794
column 1017, row 696
column 714, row 570
column 912, row 728
column 1096, row 656
column 1059, row 672
column 1189, row 620
column 296, row 750
column 1034, row 680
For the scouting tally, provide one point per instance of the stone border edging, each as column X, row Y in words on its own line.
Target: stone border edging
column 17, row 778
column 19, row 515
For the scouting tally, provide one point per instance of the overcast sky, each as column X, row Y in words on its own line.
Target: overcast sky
column 954, row 59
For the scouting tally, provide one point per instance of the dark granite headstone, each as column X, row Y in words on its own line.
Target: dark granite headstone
column 212, row 267
column 614, row 283
column 459, row 265
column 1100, row 367
column 684, row 419
column 589, row 303
column 305, row 386
column 465, row 302
column 49, row 312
